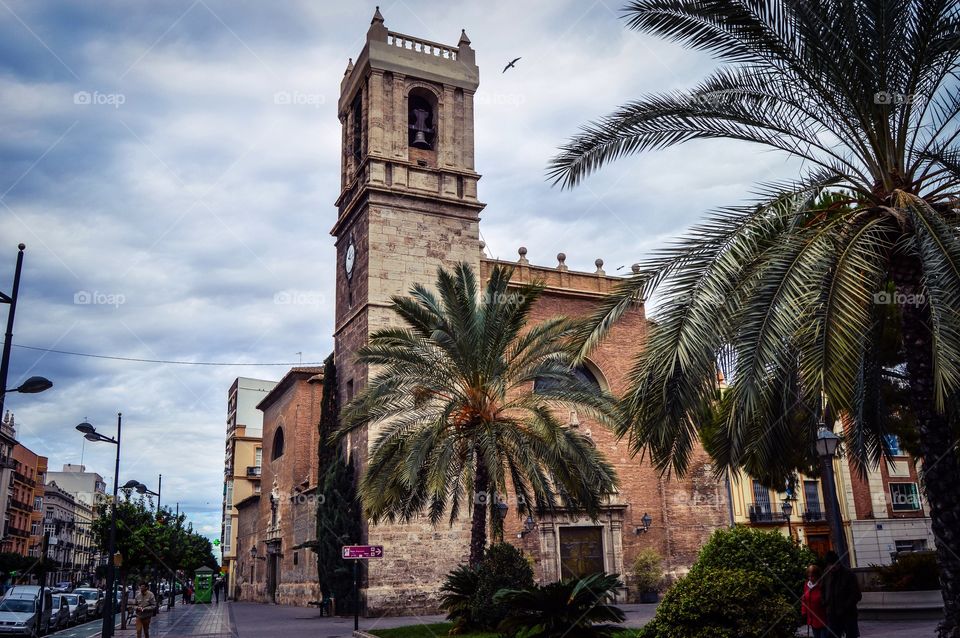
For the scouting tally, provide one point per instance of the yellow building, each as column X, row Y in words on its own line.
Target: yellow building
column 243, row 460
column 758, row 506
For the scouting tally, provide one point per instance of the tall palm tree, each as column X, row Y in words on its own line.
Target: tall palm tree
column 795, row 294
column 454, row 416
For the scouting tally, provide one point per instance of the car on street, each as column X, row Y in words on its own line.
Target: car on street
column 78, row 608
column 20, row 617
column 96, row 600
column 59, row 613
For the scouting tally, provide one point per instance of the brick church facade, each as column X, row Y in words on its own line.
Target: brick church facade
column 409, row 204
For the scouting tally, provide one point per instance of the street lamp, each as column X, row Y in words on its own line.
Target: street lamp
column 827, row 443
column 787, row 509
column 33, row 384
column 645, row 521
column 528, row 526
column 90, row 433
column 500, row 514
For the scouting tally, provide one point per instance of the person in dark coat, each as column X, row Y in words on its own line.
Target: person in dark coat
column 841, row 593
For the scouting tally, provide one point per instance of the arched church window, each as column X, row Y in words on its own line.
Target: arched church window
column 581, row 372
column 421, row 119
column 277, row 445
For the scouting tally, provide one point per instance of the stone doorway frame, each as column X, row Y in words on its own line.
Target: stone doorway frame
column 610, row 522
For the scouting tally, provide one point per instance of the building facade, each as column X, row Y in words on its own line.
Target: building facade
column 242, row 462
column 283, row 516
column 24, row 502
column 85, row 487
column 59, row 522
column 8, row 440
column 409, row 204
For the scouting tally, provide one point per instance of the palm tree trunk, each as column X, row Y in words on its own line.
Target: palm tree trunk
column 941, row 461
column 478, row 528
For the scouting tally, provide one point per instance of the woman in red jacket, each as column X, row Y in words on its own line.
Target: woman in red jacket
column 811, row 604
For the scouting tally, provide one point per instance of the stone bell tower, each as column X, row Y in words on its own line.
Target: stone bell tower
column 408, row 204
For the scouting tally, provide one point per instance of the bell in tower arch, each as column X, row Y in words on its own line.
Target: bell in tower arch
column 421, row 122
column 420, row 128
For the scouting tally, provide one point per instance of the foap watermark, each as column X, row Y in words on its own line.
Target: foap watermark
column 499, row 99
column 894, row 98
column 96, row 98
column 502, row 298
column 97, row 298
column 299, row 298
column 897, row 298
column 298, row 98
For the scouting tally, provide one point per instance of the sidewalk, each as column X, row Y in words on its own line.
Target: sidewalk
column 253, row 620
column 183, row 621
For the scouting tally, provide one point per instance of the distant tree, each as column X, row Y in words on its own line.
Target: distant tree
column 338, row 509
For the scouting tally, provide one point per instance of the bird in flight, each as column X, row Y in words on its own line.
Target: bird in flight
column 512, row 64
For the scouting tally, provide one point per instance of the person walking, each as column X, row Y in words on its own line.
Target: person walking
column 841, row 593
column 216, row 589
column 811, row 603
column 143, row 605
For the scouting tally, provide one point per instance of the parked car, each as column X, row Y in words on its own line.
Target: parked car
column 96, row 600
column 78, row 608
column 20, row 611
column 59, row 613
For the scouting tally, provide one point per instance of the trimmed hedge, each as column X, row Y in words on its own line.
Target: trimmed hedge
column 719, row 603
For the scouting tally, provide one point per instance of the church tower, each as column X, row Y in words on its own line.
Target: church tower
column 408, row 204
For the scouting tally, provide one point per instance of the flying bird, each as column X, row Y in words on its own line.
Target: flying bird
column 512, row 64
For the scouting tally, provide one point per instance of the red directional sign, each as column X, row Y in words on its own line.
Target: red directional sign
column 363, row 551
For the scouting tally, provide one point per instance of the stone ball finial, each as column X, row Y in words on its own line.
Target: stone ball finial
column 635, row 268
column 561, row 261
column 483, row 245
column 599, row 264
column 522, row 251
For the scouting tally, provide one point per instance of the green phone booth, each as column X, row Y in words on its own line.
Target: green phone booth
column 203, row 585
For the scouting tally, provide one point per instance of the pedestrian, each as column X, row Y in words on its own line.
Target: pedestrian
column 144, row 604
column 811, row 603
column 216, row 589
column 841, row 593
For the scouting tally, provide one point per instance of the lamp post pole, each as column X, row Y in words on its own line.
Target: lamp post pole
column 827, row 443
column 108, row 619
column 8, row 336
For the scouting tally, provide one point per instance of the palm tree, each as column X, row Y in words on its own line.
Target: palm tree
column 793, row 294
column 454, row 417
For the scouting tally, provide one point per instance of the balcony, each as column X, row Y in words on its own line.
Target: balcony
column 813, row 514
column 254, row 471
column 273, row 533
column 20, row 505
column 762, row 514
column 18, row 533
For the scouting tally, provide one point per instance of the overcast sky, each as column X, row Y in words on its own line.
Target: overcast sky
column 169, row 203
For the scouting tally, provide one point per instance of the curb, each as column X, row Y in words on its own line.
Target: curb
column 362, row 634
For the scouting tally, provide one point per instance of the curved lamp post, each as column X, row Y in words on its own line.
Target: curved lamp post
column 33, row 384
column 90, row 433
column 787, row 509
column 827, row 443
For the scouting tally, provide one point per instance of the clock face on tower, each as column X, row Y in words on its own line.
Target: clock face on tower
column 349, row 258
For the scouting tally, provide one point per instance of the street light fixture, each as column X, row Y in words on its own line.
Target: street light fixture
column 528, row 526
column 500, row 513
column 33, row 385
column 90, row 433
column 787, row 509
column 827, row 444
column 645, row 521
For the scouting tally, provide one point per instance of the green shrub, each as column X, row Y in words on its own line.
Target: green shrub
column 912, row 571
column 719, row 603
column 576, row 607
column 503, row 567
column 648, row 570
column 456, row 595
column 770, row 554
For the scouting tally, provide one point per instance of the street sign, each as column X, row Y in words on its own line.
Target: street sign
column 362, row 551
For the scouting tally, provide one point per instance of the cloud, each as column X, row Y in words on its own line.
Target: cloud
column 146, row 163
